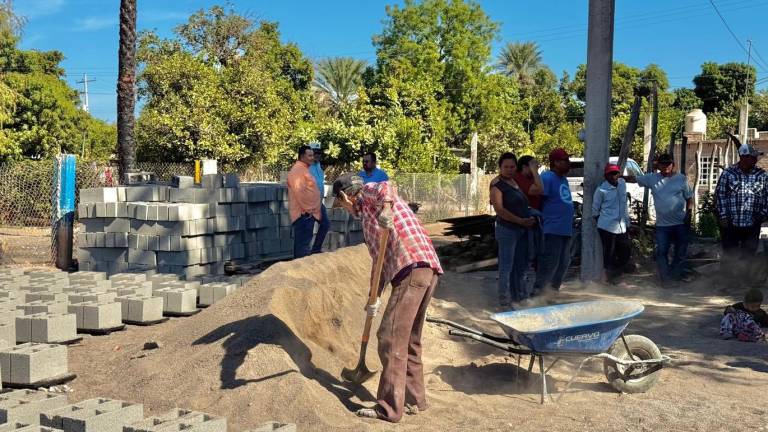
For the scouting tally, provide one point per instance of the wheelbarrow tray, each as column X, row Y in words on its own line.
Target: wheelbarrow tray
column 584, row 327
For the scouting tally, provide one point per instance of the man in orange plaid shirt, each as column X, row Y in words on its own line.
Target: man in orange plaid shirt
column 412, row 267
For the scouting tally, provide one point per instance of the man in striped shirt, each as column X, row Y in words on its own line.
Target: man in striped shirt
column 412, row 267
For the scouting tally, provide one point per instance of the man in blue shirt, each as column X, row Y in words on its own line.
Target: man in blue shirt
column 609, row 207
column 557, row 220
column 673, row 201
column 317, row 172
column 370, row 173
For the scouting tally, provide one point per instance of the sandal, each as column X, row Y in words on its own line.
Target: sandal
column 370, row 413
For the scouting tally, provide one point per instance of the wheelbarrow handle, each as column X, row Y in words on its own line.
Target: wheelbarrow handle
column 454, row 325
column 510, row 347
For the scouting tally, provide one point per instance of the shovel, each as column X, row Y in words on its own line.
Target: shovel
column 360, row 373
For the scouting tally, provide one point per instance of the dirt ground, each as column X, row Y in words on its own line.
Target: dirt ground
column 274, row 350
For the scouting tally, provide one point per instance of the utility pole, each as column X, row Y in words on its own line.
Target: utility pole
column 744, row 112
column 85, row 82
column 598, row 127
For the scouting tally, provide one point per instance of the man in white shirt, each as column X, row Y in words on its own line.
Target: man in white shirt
column 610, row 207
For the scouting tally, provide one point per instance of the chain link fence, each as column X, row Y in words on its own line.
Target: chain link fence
column 27, row 197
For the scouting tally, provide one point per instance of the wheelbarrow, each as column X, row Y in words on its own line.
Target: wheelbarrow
column 589, row 330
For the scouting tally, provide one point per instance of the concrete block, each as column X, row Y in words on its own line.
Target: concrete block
column 128, row 277
column 275, row 427
column 117, row 240
column 213, row 292
column 100, row 316
column 181, row 195
column 117, row 225
column 30, row 363
column 162, row 211
column 23, row 427
column 177, row 300
column 105, row 254
column 148, row 193
column 96, row 286
column 138, row 308
column 182, row 182
column 54, row 328
column 143, row 227
column 39, row 306
column 99, row 239
column 56, row 297
column 212, row 181
column 160, row 278
column 180, row 420
column 8, row 333
column 25, row 406
column 98, row 195
column 145, row 257
column 47, row 275
column 151, row 212
column 12, row 298
column 93, row 415
column 182, row 258
column 86, row 276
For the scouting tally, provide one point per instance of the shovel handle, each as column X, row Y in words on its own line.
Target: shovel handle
column 374, row 292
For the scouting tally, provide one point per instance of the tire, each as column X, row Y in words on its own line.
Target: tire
column 642, row 348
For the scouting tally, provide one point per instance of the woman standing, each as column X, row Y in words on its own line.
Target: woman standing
column 513, row 220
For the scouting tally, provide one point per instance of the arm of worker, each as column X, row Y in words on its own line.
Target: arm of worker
column 497, row 203
column 537, row 188
column 384, row 203
column 721, row 195
column 597, row 203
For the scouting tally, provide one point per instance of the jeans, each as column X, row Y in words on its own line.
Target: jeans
column 666, row 238
column 323, row 226
column 739, row 253
column 554, row 261
column 402, row 372
column 302, row 235
column 617, row 248
column 513, row 262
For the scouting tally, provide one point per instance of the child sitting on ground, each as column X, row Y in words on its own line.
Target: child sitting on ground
column 744, row 320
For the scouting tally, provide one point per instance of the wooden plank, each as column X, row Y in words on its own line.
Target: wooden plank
column 477, row 265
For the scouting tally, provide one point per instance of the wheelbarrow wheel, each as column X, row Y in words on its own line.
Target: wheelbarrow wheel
column 635, row 380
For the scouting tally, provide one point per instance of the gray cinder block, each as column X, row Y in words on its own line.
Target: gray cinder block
column 99, row 195
column 139, row 308
column 275, row 427
column 31, row 363
column 25, row 406
column 182, row 181
column 100, row 316
column 93, row 415
column 39, row 306
column 180, row 420
column 213, row 292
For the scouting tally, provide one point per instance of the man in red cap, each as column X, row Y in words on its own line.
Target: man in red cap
column 609, row 207
column 557, row 223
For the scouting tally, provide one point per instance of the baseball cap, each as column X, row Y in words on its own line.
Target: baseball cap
column 748, row 150
column 315, row 146
column 558, row 154
column 665, row 159
column 611, row 168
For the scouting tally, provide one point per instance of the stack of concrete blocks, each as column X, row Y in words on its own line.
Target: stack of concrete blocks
column 32, row 363
column 24, row 406
column 179, row 420
column 191, row 230
column 40, row 411
column 345, row 230
column 93, row 415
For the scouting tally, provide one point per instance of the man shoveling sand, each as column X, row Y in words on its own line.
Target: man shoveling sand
column 412, row 267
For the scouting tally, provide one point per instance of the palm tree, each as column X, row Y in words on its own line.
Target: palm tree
column 126, row 87
column 337, row 80
column 520, row 60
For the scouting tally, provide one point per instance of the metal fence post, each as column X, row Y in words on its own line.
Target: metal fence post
column 64, row 209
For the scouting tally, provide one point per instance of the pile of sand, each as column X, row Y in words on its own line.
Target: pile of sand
column 271, row 351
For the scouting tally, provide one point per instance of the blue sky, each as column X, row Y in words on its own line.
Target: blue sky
column 678, row 35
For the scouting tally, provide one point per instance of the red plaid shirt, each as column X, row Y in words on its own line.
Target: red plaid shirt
column 408, row 245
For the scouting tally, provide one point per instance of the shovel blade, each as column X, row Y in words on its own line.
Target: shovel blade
column 358, row 375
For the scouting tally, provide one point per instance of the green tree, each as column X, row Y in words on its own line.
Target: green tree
column 521, row 60
column 432, row 61
column 686, row 100
column 721, row 85
column 223, row 88
column 758, row 111
column 337, row 81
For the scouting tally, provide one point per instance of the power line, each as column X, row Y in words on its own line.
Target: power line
column 736, row 38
